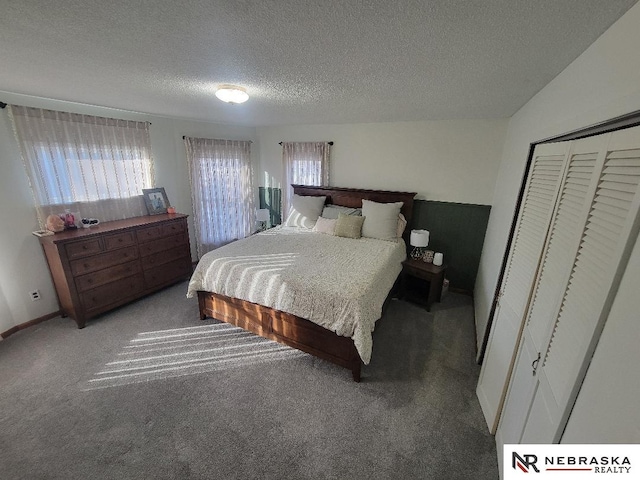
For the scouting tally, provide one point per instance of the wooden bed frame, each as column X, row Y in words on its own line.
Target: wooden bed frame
column 289, row 329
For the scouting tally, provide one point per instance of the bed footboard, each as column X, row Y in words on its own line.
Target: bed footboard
column 284, row 328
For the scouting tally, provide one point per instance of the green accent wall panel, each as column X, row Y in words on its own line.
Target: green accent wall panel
column 271, row 199
column 457, row 230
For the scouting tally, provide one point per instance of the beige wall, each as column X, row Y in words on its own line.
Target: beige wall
column 452, row 161
column 604, row 82
column 22, row 268
column 23, row 265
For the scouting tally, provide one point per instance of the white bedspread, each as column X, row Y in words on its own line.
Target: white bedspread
column 338, row 283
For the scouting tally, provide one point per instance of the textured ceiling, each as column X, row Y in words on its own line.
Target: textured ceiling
column 301, row 61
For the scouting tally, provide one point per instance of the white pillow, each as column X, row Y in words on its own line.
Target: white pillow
column 381, row 220
column 304, row 211
column 325, row 225
column 334, row 211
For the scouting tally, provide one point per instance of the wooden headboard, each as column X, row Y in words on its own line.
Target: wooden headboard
column 352, row 197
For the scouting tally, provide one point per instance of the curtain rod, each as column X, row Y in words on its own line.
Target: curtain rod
column 3, row 105
column 250, row 141
column 330, row 143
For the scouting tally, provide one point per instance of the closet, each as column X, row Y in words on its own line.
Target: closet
column 573, row 236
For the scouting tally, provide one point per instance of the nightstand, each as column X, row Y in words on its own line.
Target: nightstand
column 424, row 271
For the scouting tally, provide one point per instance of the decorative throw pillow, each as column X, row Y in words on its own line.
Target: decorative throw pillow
column 333, row 211
column 381, row 219
column 304, row 211
column 325, row 225
column 349, row 226
column 402, row 224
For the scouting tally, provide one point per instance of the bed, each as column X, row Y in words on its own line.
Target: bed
column 252, row 283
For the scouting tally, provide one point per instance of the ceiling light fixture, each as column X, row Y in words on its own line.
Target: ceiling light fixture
column 232, row 94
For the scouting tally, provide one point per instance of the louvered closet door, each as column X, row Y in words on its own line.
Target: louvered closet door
column 569, row 309
column 605, row 244
column 538, row 203
column 585, row 158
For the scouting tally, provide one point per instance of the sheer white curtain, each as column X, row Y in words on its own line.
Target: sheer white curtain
column 221, row 191
column 304, row 163
column 95, row 166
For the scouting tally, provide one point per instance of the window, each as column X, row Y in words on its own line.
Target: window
column 304, row 163
column 95, row 165
column 221, row 190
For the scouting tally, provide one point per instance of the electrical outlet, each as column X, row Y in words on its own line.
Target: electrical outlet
column 35, row 295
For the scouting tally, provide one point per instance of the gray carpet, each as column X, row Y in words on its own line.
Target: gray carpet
column 150, row 391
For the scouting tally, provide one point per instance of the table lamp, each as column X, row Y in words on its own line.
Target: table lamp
column 419, row 240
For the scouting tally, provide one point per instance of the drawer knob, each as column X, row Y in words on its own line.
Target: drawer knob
column 84, row 247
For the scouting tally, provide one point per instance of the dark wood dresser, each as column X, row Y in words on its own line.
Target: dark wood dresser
column 99, row 268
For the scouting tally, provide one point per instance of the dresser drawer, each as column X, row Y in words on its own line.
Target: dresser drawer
column 84, row 248
column 106, row 275
column 163, row 244
column 167, row 273
column 166, row 256
column 120, row 240
column 104, row 260
column 149, row 234
column 112, row 293
column 173, row 228
column 427, row 272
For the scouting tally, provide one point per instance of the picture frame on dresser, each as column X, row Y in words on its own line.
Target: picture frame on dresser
column 156, row 200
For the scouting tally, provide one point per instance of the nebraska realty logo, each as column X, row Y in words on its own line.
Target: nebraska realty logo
column 581, row 461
